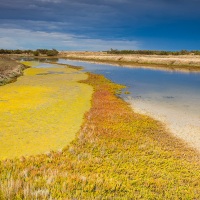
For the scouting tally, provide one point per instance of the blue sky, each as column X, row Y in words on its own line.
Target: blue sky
column 100, row 24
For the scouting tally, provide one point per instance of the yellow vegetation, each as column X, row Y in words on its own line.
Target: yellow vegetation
column 30, row 63
column 117, row 154
column 42, row 111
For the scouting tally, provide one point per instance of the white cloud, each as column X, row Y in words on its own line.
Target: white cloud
column 50, row 1
column 12, row 38
column 8, row 43
column 35, row 25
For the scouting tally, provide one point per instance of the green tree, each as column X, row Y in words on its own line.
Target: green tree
column 36, row 53
column 52, row 52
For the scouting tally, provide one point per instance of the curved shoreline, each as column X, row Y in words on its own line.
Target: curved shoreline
column 182, row 63
column 184, row 128
column 116, row 154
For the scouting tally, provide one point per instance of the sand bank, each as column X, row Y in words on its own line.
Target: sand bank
column 186, row 62
column 186, row 127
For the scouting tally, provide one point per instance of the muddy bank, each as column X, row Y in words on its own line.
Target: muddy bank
column 181, row 62
column 10, row 69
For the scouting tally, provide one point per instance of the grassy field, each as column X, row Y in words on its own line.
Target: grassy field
column 117, row 154
column 42, row 111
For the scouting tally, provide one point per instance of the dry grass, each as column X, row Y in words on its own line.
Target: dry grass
column 117, row 154
column 182, row 62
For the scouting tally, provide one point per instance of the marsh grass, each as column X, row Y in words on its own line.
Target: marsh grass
column 117, row 154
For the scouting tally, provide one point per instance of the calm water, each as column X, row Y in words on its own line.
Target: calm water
column 182, row 89
column 169, row 96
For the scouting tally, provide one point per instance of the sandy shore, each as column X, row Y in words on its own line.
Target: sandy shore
column 186, row 62
column 186, row 127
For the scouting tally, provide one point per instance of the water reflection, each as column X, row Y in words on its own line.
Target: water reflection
column 39, row 59
column 171, row 97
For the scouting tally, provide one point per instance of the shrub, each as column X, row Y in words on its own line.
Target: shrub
column 36, row 53
column 52, row 52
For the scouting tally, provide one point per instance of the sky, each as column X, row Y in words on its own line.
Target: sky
column 96, row 25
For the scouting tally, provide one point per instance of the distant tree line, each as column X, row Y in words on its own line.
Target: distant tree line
column 152, row 52
column 47, row 52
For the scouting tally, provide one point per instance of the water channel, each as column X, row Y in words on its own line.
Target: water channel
column 172, row 97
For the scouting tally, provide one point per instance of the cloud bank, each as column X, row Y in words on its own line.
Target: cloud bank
column 139, row 23
column 23, row 39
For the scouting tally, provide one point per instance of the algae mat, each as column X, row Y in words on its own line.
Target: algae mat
column 42, row 111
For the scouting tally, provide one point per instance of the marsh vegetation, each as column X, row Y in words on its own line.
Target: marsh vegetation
column 117, row 154
column 42, row 111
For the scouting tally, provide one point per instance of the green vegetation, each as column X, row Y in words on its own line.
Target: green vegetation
column 117, row 154
column 47, row 52
column 36, row 53
column 17, row 51
column 52, row 52
column 153, row 52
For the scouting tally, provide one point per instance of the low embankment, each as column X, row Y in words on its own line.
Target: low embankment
column 9, row 70
column 173, row 62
